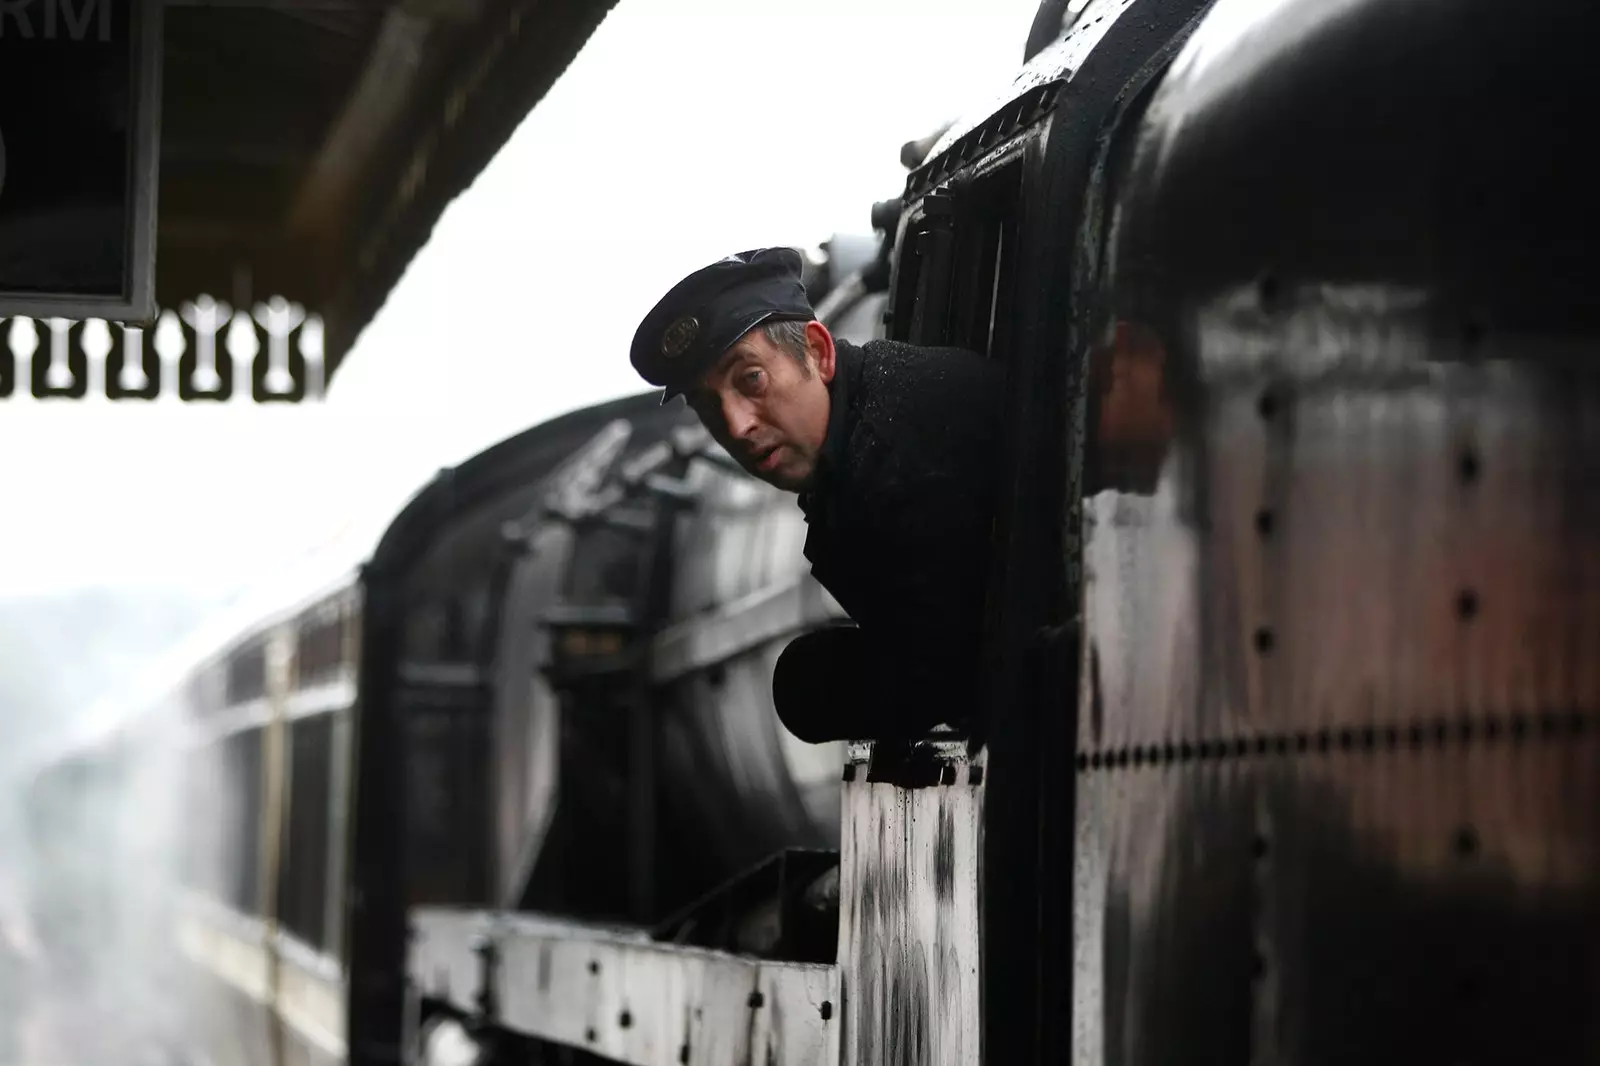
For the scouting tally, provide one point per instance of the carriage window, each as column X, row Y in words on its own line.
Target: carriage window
column 303, row 871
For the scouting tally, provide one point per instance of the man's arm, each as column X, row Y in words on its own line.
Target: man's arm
column 931, row 490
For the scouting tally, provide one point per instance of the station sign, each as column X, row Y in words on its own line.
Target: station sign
column 79, row 131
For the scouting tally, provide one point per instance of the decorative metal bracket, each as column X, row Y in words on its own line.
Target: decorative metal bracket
column 199, row 351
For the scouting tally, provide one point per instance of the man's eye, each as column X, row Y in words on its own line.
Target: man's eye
column 750, row 378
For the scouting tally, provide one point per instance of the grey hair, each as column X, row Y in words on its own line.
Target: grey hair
column 790, row 335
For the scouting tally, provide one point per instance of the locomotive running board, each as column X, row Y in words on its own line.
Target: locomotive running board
column 617, row 993
column 908, row 955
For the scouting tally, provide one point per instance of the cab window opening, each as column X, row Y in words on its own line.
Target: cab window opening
column 985, row 262
column 956, row 283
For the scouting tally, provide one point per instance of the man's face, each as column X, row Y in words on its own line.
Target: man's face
column 768, row 410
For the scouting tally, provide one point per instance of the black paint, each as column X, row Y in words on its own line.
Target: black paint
column 892, row 1002
column 1355, row 823
column 944, row 856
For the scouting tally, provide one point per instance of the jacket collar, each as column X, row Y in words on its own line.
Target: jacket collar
column 841, row 390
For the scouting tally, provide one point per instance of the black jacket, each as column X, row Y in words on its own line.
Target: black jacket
column 900, row 515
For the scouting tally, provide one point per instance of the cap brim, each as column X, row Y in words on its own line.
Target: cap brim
column 671, row 391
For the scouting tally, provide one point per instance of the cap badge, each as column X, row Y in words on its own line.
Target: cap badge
column 675, row 340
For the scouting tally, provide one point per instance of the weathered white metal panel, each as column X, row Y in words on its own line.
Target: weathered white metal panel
column 618, row 994
column 908, row 920
column 443, row 960
column 797, row 1023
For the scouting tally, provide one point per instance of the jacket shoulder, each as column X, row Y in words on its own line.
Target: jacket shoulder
column 924, row 416
column 932, row 388
column 897, row 357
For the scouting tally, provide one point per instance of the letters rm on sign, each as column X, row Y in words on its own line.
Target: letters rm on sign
column 79, row 102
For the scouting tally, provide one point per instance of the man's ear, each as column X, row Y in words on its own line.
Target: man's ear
column 819, row 349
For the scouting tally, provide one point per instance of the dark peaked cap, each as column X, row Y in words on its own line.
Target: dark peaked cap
column 702, row 315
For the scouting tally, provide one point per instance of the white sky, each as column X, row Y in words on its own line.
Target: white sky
column 685, row 130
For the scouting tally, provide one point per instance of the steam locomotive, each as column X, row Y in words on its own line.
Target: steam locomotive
column 1288, row 750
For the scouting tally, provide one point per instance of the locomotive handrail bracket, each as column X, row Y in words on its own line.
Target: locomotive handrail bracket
column 616, row 993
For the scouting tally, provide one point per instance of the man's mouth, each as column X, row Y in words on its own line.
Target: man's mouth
column 766, row 458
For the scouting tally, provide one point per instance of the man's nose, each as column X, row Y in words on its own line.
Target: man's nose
column 739, row 418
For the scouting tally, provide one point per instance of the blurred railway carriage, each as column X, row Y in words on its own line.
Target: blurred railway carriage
column 1288, row 751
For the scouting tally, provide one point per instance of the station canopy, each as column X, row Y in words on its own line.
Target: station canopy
column 309, row 146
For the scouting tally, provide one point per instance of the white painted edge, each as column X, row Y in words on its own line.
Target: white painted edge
column 617, row 993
